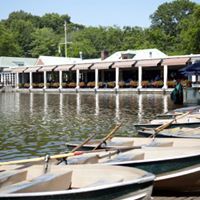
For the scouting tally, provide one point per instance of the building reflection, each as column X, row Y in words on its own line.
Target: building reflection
column 45, row 104
column 96, row 104
column 31, row 103
column 117, row 109
column 165, row 103
column 78, row 104
column 140, row 107
column 61, row 105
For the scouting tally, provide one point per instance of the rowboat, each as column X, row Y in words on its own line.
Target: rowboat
column 86, row 182
column 179, row 111
column 126, row 143
column 176, row 132
column 191, row 120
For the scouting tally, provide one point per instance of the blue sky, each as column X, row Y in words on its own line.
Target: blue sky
column 89, row 12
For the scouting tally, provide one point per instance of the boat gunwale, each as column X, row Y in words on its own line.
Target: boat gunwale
column 147, row 177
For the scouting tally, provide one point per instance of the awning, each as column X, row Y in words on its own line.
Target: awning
column 31, row 69
column 124, row 64
column 63, row 67
column 47, row 68
column 148, row 63
column 175, row 61
column 18, row 69
column 102, row 65
column 84, row 66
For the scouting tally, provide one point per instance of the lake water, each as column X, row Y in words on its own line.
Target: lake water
column 38, row 124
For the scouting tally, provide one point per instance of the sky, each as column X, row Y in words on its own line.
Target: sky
column 89, row 12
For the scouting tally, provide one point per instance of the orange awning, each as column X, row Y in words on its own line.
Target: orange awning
column 64, row 67
column 18, row 69
column 148, row 63
column 84, row 66
column 102, row 65
column 32, row 69
column 175, row 61
column 124, row 64
column 47, row 68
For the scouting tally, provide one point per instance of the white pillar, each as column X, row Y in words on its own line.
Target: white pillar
column 165, row 71
column 17, row 80
column 30, row 80
column 60, row 79
column 77, row 78
column 45, row 80
column 139, row 77
column 96, row 78
column 117, row 78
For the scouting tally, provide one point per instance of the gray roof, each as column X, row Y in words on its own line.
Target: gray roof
column 16, row 61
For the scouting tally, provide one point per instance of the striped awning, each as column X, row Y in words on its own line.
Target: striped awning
column 102, row 65
column 148, row 63
column 47, row 68
column 124, row 64
column 32, row 69
column 175, row 61
column 18, row 69
column 84, row 66
column 63, row 67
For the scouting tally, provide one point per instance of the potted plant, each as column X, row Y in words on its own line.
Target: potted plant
column 121, row 84
column 133, row 84
column 72, row 85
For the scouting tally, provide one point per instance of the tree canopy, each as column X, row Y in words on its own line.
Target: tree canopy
column 175, row 29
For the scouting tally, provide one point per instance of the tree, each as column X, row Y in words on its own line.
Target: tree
column 190, row 33
column 169, row 15
column 8, row 46
column 45, row 42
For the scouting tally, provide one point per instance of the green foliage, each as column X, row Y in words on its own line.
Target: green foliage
column 175, row 29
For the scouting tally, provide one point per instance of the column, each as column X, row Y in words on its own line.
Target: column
column 139, row 77
column 165, row 74
column 96, row 78
column 17, row 81
column 77, row 78
column 117, row 78
column 45, row 80
column 60, row 79
column 30, row 80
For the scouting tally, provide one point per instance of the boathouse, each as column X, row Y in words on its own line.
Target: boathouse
column 131, row 70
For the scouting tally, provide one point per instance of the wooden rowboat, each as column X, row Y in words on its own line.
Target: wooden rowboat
column 137, row 142
column 176, row 132
column 163, row 161
column 86, row 182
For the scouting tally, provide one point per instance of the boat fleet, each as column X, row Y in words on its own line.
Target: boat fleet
column 166, row 161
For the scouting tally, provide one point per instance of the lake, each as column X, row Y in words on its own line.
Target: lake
column 38, row 124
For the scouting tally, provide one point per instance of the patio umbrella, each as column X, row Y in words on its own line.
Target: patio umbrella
column 191, row 69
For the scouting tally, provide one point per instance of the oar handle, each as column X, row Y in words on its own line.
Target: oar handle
column 39, row 159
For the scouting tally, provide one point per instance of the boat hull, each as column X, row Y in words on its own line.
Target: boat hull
column 182, row 181
column 167, row 135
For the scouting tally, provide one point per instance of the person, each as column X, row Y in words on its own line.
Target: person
column 177, row 93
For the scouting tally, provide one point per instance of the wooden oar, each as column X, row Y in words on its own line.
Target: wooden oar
column 165, row 125
column 83, row 143
column 40, row 159
column 108, row 136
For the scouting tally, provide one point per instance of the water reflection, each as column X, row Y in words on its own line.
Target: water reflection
column 34, row 124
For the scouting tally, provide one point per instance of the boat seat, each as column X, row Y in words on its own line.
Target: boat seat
column 127, row 156
column 120, row 143
column 159, row 144
column 12, row 177
column 60, row 180
column 83, row 159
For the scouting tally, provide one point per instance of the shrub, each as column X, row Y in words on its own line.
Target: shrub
column 171, row 84
column 157, row 84
column 55, row 85
column 111, row 84
column 145, row 84
column 26, row 85
column 21, row 85
column 100, row 84
column 40, row 85
column 72, row 85
column 64, row 85
column 133, row 84
column 186, row 83
column 35, row 85
column 82, row 84
column 121, row 84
